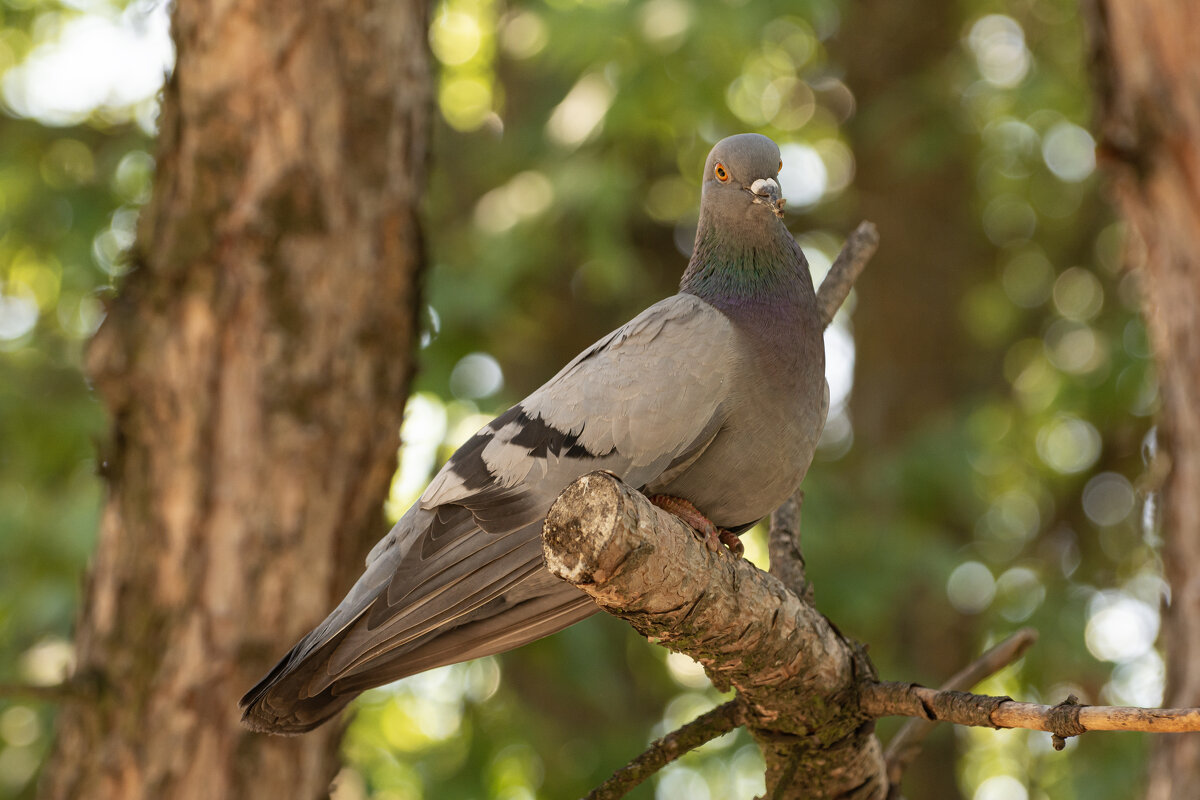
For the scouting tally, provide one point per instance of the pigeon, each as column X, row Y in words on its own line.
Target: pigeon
column 711, row 402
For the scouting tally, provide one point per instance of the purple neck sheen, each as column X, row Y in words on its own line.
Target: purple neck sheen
column 756, row 277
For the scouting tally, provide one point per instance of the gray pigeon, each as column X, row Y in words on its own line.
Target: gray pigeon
column 710, row 401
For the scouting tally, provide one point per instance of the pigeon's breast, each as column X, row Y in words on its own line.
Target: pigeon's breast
column 773, row 419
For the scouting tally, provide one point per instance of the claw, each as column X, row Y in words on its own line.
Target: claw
column 731, row 540
column 713, row 536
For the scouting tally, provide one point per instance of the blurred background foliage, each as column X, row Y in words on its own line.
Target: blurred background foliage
column 988, row 461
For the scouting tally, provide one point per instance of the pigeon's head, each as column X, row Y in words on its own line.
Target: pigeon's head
column 741, row 179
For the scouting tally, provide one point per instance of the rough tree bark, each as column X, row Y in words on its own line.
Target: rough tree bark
column 255, row 367
column 797, row 678
column 1148, row 82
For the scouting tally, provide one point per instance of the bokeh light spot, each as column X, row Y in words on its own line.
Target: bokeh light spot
column 1108, row 498
column 581, row 112
column 971, row 587
column 18, row 311
column 1008, row 218
column 96, row 60
column 524, row 35
column 998, row 43
column 1019, row 593
column 465, row 101
column 839, row 164
column 1075, row 348
column 1078, row 294
column 455, row 37
column 525, row 196
column 421, row 433
column 1001, row 787
column 48, row 662
column 664, row 22
column 19, row 726
column 475, row 376
column 803, row 178
column 1139, row 682
column 1119, row 627
column 686, row 672
column 1028, row 278
column 1069, row 152
column 1068, row 444
column 68, row 162
column 134, row 177
column 677, row 781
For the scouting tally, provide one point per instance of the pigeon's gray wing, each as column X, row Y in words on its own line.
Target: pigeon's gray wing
column 461, row 575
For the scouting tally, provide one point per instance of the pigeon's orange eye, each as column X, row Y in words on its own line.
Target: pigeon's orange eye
column 780, row 166
column 721, row 173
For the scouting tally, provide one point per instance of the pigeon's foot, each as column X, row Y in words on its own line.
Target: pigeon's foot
column 713, row 536
column 732, row 541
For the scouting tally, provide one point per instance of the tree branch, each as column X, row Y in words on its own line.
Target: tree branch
column 860, row 246
column 703, row 729
column 906, row 744
column 783, row 548
column 796, row 675
column 1067, row 719
column 808, row 695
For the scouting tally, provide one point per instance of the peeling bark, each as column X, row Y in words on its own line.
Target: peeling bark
column 1147, row 78
column 255, row 367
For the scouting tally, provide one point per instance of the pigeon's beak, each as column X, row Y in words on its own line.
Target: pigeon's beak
column 766, row 191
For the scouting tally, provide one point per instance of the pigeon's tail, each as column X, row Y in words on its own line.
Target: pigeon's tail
column 437, row 591
column 323, row 673
column 280, row 702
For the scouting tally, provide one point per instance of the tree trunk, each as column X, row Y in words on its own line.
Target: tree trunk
column 255, row 367
column 1148, row 81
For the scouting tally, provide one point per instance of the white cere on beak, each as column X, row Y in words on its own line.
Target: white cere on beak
column 766, row 191
column 765, row 187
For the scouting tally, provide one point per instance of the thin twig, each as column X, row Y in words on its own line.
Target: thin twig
column 704, row 728
column 783, row 547
column 860, row 246
column 906, row 744
column 1067, row 719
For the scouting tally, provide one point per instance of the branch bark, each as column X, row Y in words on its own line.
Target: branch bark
column 796, row 675
column 860, row 245
column 1067, row 719
column 809, row 696
column 783, row 548
column 906, row 744
column 703, row 729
